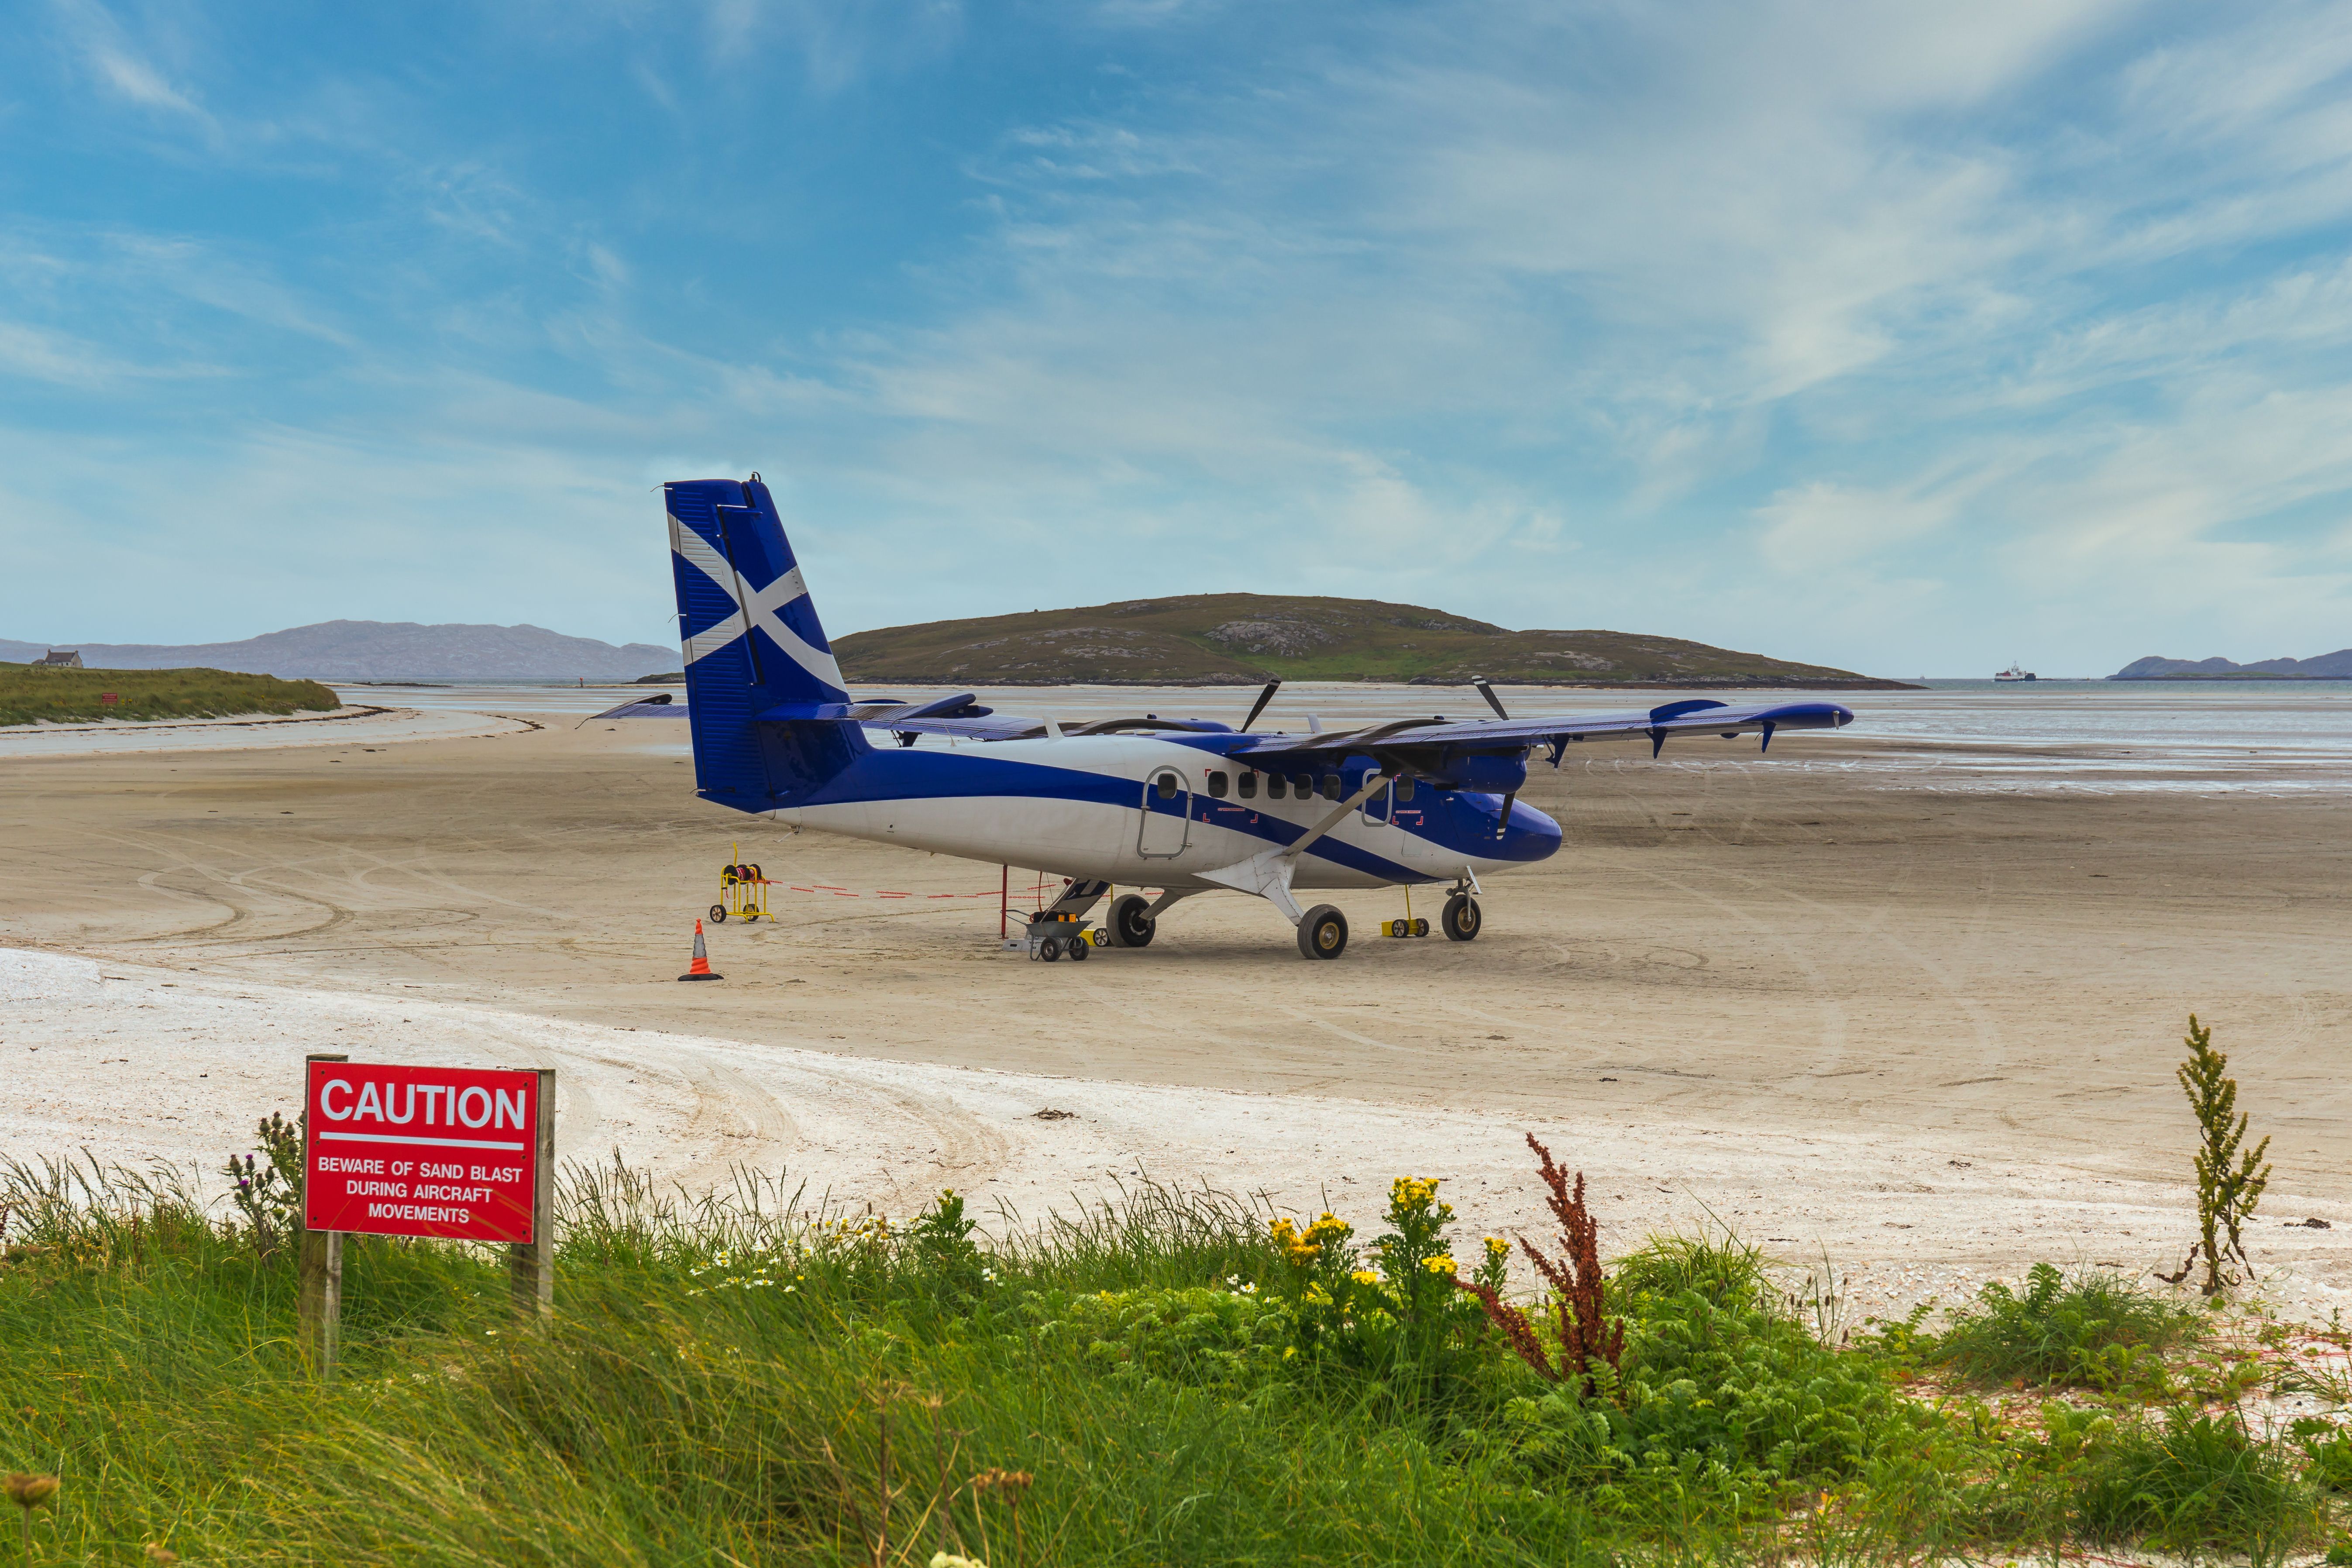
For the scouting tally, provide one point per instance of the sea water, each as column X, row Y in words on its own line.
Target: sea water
column 2271, row 737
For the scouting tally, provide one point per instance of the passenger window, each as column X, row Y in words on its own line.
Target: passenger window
column 1167, row 786
column 1331, row 790
column 1249, row 786
column 1216, row 786
column 1405, row 786
column 1304, row 783
column 1274, row 788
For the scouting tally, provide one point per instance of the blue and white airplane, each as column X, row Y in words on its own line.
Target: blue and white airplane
column 1187, row 806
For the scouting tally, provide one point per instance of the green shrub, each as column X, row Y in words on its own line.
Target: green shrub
column 2327, row 1451
column 2093, row 1330
column 1732, row 1390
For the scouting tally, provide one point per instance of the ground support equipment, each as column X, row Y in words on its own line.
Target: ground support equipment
column 1051, row 937
column 743, row 894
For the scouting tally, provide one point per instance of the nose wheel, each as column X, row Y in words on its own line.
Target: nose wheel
column 1461, row 918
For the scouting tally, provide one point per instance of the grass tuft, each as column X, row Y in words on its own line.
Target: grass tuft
column 2092, row 1329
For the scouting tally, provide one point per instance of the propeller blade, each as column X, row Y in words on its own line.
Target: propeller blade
column 1504, row 826
column 1487, row 692
column 1259, row 706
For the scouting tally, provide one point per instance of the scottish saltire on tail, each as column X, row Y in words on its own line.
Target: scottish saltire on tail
column 1188, row 806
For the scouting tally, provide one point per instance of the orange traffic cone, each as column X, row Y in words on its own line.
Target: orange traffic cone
column 701, row 968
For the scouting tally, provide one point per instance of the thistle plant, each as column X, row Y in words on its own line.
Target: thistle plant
column 268, row 1193
column 942, row 1240
column 2229, row 1178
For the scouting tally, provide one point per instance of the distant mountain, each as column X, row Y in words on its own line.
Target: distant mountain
column 383, row 650
column 1239, row 639
column 2337, row 665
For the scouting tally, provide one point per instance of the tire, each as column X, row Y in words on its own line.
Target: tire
column 1420, row 926
column 1131, row 923
column 1323, row 933
column 1461, row 918
column 1050, row 950
column 1078, row 946
column 719, row 914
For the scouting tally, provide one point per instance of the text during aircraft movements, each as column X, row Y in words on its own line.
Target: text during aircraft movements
column 411, row 1151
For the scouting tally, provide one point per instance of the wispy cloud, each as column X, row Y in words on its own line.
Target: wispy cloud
column 1855, row 332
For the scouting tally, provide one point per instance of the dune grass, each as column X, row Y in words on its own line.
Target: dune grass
column 28, row 695
column 741, row 1378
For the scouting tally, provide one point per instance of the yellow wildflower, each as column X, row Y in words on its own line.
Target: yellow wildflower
column 1365, row 1277
column 1498, row 1247
column 1441, row 1264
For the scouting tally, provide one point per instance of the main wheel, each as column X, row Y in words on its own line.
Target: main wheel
column 1131, row 921
column 1461, row 918
column 719, row 914
column 1323, row 933
column 1078, row 946
column 1050, row 949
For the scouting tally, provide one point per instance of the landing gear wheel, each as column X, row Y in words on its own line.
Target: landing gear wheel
column 1078, row 945
column 1131, row 923
column 1050, row 950
column 1323, row 933
column 719, row 914
column 1461, row 918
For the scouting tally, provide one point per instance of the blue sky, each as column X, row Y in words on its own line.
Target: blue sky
column 1901, row 337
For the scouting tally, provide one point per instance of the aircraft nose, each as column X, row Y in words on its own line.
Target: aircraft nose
column 1529, row 835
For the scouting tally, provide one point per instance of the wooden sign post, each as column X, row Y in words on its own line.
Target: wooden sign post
column 462, row 1153
column 319, row 1305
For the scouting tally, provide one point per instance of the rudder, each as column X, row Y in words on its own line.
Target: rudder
column 752, row 643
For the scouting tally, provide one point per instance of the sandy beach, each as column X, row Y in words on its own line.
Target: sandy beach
column 1847, row 998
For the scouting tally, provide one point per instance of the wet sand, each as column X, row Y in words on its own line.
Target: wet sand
column 1930, row 1028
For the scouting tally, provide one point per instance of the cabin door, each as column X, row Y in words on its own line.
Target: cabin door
column 1167, row 814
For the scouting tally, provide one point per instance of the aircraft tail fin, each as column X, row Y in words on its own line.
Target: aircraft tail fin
column 752, row 643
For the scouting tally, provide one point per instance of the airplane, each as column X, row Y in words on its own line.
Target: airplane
column 1186, row 806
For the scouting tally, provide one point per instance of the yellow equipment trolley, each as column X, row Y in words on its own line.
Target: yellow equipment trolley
column 742, row 893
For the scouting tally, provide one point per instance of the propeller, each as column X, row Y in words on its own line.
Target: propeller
column 1487, row 692
column 1262, row 699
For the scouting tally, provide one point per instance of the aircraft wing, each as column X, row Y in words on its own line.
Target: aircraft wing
column 659, row 706
column 1693, row 716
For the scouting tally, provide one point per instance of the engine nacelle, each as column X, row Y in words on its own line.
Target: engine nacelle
column 1506, row 773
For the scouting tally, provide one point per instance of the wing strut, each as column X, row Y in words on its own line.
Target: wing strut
column 1268, row 874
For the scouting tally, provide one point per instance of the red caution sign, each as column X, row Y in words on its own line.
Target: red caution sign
column 406, row 1151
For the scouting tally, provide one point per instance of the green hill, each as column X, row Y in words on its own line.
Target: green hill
column 31, row 695
column 1239, row 639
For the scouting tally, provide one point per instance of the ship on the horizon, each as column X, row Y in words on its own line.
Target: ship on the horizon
column 2015, row 672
